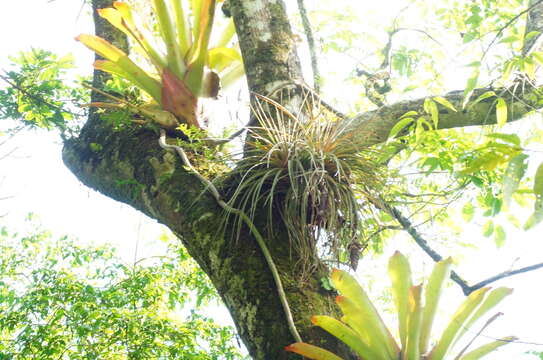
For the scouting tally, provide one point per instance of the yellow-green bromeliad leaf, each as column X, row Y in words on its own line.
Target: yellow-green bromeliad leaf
column 120, row 64
column 361, row 315
column 347, row 335
column 312, row 352
column 399, row 272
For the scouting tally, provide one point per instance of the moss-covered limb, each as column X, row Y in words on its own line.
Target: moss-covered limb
column 253, row 230
column 130, row 167
column 266, row 41
column 373, row 127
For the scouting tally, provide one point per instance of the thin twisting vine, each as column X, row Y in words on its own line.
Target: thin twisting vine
column 259, row 239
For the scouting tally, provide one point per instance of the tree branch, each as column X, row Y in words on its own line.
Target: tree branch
column 374, row 126
column 534, row 22
column 532, row 9
column 423, row 244
column 506, row 274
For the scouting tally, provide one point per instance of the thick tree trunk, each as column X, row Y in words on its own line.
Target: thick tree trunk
column 131, row 167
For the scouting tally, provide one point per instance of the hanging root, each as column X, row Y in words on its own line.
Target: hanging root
column 259, row 239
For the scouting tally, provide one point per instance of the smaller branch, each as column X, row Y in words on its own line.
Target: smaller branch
column 488, row 322
column 305, row 87
column 37, row 98
column 368, row 238
column 2, row 157
column 423, row 244
column 408, row 226
column 311, row 44
column 218, row 141
column 534, row 22
column 506, row 274
column 388, row 47
column 501, row 30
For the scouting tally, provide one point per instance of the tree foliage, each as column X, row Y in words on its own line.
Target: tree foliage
column 434, row 92
column 61, row 300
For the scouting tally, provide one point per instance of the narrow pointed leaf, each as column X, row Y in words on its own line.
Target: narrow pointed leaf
column 126, row 13
column 400, row 125
column 311, row 351
column 132, row 71
column 445, row 103
column 345, row 334
column 457, row 322
column 125, row 68
column 229, row 77
column 513, row 174
column 112, row 68
column 431, row 108
column 513, row 139
column 493, row 299
column 366, row 326
column 483, row 96
column 412, row 350
column 169, row 36
column 101, row 47
column 184, row 33
column 350, row 288
column 537, row 215
column 433, row 292
column 470, row 86
column 128, row 23
column 195, row 7
column 399, row 272
column 501, row 112
column 115, row 18
column 198, row 58
column 488, row 348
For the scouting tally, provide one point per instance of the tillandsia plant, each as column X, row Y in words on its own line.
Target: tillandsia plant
column 189, row 69
column 363, row 330
column 305, row 163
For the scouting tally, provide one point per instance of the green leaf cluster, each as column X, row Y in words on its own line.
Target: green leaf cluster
column 59, row 299
column 363, row 330
column 37, row 91
column 190, row 67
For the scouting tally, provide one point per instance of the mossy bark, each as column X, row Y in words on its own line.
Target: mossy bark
column 131, row 167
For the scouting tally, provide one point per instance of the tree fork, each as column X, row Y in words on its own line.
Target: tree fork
column 157, row 184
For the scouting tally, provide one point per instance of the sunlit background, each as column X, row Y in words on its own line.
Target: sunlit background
column 35, row 180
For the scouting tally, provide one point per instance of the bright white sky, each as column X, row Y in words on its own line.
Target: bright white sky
column 40, row 183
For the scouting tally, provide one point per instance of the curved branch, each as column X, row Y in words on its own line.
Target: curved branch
column 534, row 22
column 373, row 127
column 410, row 229
column 533, row 9
column 423, row 244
